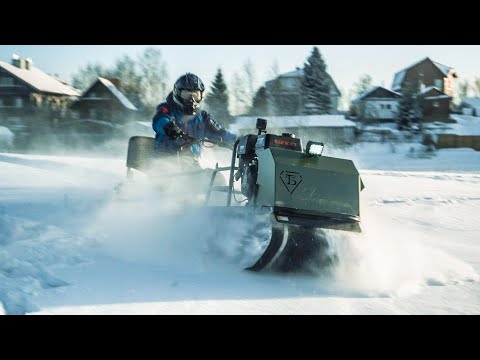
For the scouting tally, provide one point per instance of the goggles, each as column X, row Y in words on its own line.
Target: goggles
column 191, row 95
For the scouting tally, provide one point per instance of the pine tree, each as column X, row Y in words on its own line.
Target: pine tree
column 316, row 85
column 259, row 105
column 409, row 107
column 217, row 100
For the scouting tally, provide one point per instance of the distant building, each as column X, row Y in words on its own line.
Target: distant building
column 376, row 104
column 435, row 104
column 330, row 129
column 28, row 92
column 102, row 110
column 287, row 90
column 464, row 132
column 434, row 81
column 103, row 101
column 426, row 73
column 470, row 106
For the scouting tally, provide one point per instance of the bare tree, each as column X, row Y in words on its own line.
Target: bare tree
column 238, row 99
column 86, row 76
column 462, row 91
column 250, row 82
column 274, row 70
column 476, row 87
column 363, row 84
column 153, row 77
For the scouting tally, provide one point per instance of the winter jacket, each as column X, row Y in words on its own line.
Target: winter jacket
column 200, row 126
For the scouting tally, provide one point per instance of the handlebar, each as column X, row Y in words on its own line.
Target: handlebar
column 192, row 140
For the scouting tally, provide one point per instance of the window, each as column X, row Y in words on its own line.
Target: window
column 18, row 102
column 6, row 81
column 436, row 104
column 438, row 84
column 389, row 107
column 8, row 102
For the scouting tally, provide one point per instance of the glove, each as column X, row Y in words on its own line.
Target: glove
column 172, row 130
column 212, row 124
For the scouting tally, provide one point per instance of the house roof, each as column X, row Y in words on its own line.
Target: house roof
column 113, row 89
column 39, row 80
column 465, row 125
column 280, row 122
column 472, row 102
column 372, row 90
column 400, row 76
column 299, row 73
column 433, row 93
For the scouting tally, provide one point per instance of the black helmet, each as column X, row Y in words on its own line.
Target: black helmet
column 188, row 93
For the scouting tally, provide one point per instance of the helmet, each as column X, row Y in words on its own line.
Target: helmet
column 188, row 93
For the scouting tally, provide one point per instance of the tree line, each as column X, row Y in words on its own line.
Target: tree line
column 145, row 82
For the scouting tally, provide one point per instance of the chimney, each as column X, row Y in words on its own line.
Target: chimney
column 16, row 61
column 115, row 82
column 21, row 63
column 28, row 63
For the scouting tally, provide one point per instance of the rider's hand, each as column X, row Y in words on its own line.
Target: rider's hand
column 172, row 130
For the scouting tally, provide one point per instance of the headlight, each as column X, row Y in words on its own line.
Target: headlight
column 315, row 148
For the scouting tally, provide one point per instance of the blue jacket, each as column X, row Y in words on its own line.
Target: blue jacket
column 201, row 126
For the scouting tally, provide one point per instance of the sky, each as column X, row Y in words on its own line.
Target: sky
column 346, row 63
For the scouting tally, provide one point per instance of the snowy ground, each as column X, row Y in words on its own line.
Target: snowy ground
column 68, row 247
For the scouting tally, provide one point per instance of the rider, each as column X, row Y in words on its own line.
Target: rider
column 179, row 117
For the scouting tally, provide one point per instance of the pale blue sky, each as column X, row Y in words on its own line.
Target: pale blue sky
column 344, row 62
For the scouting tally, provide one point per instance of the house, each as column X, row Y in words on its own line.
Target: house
column 27, row 92
column 426, row 75
column 102, row 111
column 330, row 129
column 435, row 104
column 470, row 106
column 376, row 104
column 103, row 101
column 464, row 132
column 287, row 90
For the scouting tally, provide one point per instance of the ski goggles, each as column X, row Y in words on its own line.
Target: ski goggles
column 191, row 95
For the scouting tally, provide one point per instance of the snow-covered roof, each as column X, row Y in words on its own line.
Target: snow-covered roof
column 299, row 73
column 439, row 97
column 427, row 89
column 400, row 76
column 113, row 89
column 443, row 68
column 39, row 80
column 436, row 93
column 295, row 73
column 280, row 122
column 465, row 125
column 370, row 91
column 473, row 102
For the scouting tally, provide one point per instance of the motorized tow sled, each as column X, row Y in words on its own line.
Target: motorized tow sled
column 300, row 191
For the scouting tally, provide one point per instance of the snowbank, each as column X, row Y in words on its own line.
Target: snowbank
column 6, row 137
column 29, row 253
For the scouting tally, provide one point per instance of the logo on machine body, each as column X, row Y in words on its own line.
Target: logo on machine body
column 291, row 180
column 285, row 143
